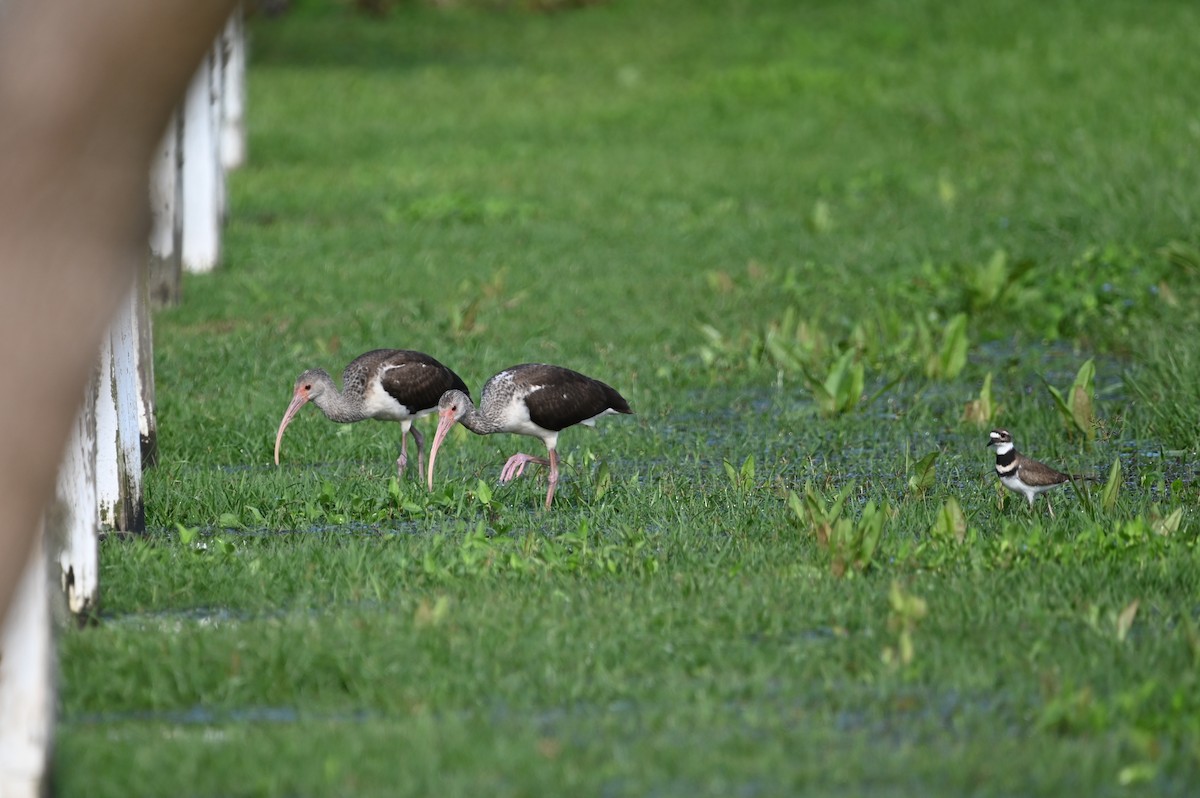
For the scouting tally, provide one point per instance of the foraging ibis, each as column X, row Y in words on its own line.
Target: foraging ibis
column 385, row 384
column 532, row 399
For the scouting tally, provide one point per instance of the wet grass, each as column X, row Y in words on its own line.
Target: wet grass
column 716, row 208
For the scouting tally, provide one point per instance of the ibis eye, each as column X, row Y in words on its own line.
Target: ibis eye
column 308, row 387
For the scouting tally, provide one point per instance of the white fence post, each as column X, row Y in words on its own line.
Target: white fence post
column 71, row 520
column 216, row 90
column 166, row 222
column 126, row 368
column 118, row 439
column 200, row 173
column 27, row 683
column 146, row 405
column 233, row 94
column 213, row 141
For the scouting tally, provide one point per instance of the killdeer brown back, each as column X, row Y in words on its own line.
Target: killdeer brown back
column 1025, row 475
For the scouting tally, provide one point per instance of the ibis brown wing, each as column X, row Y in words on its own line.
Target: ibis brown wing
column 418, row 381
column 565, row 397
column 414, row 379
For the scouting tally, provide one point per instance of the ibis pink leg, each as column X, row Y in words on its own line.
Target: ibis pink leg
column 553, row 477
column 419, row 442
column 402, row 460
column 515, row 465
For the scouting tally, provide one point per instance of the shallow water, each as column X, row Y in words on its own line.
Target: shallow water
column 897, row 718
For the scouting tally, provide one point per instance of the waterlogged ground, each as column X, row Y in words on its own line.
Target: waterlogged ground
column 822, row 252
column 670, row 606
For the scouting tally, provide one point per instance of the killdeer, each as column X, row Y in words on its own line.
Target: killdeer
column 1024, row 475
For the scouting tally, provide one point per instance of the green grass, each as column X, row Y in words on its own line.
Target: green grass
column 714, row 206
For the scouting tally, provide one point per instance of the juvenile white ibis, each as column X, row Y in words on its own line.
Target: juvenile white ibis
column 532, row 399
column 385, row 384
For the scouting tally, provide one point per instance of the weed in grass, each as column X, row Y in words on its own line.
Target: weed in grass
column 906, row 611
column 1099, row 294
column 431, row 613
column 741, row 479
column 219, row 544
column 602, row 480
column 987, row 284
column 851, row 543
column 982, row 411
column 1112, row 487
column 463, row 314
column 1125, row 620
column 187, row 535
column 483, row 494
column 950, row 356
column 922, row 475
column 950, row 523
column 820, row 218
column 1165, row 523
column 1077, row 408
column 717, row 352
column 1072, row 711
column 792, row 343
column 842, row 388
column 816, row 514
column 400, row 499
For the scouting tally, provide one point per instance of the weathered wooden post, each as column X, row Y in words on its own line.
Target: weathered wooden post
column 212, row 140
column 72, row 524
column 27, row 684
column 118, row 438
column 216, row 89
column 233, row 93
column 147, row 409
column 201, row 196
column 166, row 222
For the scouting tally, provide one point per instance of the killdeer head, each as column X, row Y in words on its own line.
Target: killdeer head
column 1002, row 440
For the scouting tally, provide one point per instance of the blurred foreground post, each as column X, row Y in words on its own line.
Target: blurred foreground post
column 99, row 478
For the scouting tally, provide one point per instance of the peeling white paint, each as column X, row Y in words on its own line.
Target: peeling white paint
column 27, row 684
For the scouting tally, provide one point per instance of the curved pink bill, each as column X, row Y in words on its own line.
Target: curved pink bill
column 298, row 401
column 445, row 422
